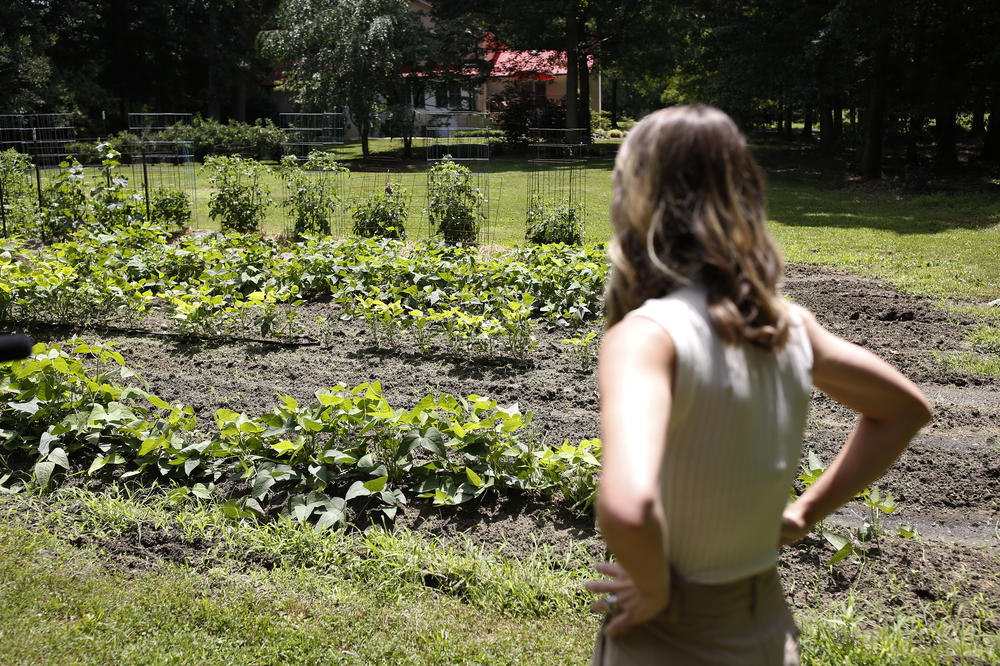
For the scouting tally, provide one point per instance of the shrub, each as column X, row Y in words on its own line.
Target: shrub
column 554, row 223
column 311, row 200
column 241, row 198
column 261, row 140
column 170, row 207
column 454, row 204
column 614, row 134
column 383, row 214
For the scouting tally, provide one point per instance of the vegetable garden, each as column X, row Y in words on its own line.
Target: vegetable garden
column 319, row 387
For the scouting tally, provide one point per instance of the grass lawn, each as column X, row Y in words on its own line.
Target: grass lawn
column 332, row 597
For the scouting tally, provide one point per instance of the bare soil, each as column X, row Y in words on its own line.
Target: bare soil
column 947, row 484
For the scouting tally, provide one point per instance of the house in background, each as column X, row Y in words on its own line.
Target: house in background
column 540, row 74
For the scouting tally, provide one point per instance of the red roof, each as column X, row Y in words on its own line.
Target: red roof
column 510, row 63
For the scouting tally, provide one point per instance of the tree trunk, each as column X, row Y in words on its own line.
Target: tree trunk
column 826, row 131
column 786, row 130
column 614, row 104
column 991, row 142
column 838, row 123
column 978, row 115
column 363, row 130
column 212, row 89
column 915, row 129
column 807, row 121
column 946, row 155
column 583, row 111
column 871, row 151
column 571, row 68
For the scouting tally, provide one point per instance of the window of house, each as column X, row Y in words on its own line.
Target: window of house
column 449, row 96
column 417, row 94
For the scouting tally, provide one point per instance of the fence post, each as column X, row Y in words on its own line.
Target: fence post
column 3, row 208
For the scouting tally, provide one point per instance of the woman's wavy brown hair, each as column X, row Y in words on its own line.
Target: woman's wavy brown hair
column 688, row 206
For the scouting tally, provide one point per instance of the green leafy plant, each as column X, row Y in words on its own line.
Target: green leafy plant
column 583, row 350
column 454, row 204
column 876, row 504
column 554, row 222
column 66, row 201
column 19, row 206
column 170, row 207
column 241, row 197
column 312, row 197
column 572, row 470
column 383, row 214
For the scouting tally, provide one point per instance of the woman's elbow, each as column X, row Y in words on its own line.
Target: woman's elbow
column 621, row 512
column 921, row 412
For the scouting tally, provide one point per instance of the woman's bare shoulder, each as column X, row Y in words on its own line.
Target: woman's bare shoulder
column 637, row 339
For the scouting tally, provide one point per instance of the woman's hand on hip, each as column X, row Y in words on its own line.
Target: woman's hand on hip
column 793, row 527
column 632, row 604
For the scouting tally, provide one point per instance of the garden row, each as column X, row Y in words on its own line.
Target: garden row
column 346, row 453
column 250, row 286
column 241, row 197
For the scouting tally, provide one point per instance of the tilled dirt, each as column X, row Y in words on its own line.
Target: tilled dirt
column 946, row 485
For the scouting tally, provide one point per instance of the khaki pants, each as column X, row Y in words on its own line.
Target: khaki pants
column 745, row 622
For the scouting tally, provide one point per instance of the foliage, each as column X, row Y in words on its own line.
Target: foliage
column 312, row 198
column 248, row 286
column 170, row 207
column 260, row 140
column 383, row 214
column 15, row 190
column 582, row 349
column 454, row 204
column 71, row 202
column 348, row 447
column 876, row 505
column 352, row 51
column 554, row 222
column 241, row 197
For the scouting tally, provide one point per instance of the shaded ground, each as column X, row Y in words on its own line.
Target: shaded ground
column 947, row 484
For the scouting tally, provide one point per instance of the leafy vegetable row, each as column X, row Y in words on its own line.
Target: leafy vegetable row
column 246, row 284
column 347, row 450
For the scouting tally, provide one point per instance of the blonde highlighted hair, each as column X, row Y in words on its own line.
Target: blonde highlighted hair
column 688, row 206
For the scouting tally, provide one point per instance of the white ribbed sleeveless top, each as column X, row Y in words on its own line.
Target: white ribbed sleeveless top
column 733, row 441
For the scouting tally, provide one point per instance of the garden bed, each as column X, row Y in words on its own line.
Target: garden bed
column 946, row 485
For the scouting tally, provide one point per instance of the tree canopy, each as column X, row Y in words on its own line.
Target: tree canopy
column 908, row 78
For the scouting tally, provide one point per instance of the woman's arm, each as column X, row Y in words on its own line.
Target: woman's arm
column 892, row 409
column 634, row 375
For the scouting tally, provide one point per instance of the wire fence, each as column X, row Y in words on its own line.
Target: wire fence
column 558, row 172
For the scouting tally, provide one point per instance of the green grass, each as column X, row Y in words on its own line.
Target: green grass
column 935, row 245
column 336, row 597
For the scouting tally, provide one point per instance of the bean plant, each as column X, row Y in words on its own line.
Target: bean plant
column 871, row 529
column 75, row 406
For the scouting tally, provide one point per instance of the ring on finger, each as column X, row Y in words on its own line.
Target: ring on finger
column 611, row 604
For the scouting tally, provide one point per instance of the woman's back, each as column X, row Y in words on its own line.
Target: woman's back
column 733, row 443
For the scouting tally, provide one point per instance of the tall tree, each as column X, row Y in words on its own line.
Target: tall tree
column 344, row 51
